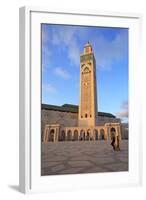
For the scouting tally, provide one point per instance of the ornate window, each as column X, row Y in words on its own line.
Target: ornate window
column 86, row 70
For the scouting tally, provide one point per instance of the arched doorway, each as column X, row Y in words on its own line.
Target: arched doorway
column 62, row 135
column 88, row 135
column 75, row 137
column 82, row 135
column 51, row 137
column 69, row 135
column 95, row 134
column 102, row 134
column 112, row 133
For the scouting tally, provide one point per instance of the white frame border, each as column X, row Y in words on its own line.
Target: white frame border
column 25, row 141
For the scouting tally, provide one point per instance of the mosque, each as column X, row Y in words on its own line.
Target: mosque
column 84, row 122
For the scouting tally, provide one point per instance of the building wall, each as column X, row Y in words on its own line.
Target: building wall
column 71, row 120
column 57, row 117
column 102, row 120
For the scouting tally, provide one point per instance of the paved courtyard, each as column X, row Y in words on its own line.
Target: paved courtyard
column 83, row 157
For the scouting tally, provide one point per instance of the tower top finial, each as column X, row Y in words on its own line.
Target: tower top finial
column 87, row 44
column 87, row 48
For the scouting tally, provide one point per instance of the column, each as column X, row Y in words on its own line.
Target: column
column 98, row 134
column 44, row 136
column 92, row 135
column 85, row 134
column 72, row 136
column 119, row 129
column 107, row 133
column 55, row 135
column 116, row 134
column 65, row 135
column 47, row 135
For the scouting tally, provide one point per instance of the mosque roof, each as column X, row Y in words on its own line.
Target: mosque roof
column 71, row 108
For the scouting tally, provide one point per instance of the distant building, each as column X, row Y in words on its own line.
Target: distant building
column 83, row 122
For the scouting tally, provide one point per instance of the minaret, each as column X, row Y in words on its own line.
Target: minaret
column 88, row 95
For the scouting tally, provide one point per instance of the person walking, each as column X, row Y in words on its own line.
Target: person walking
column 113, row 142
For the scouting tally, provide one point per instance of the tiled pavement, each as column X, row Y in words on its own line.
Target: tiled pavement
column 83, row 157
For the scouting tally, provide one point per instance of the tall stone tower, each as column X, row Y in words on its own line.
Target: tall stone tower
column 88, row 96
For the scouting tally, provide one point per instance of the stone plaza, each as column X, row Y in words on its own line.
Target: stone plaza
column 74, row 157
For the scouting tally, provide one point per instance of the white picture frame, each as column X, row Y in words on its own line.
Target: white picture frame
column 29, row 160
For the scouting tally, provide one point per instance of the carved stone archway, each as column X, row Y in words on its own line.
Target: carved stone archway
column 75, row 136
column 82, row 135
column 62, row 135
column 88, row 134
column 51, row 137
column 112, row 133
column 95, row 134
column 69, row 135
column 102, row 134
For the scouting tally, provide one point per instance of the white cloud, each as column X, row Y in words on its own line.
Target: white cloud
column 67, row 37
column 61, row 73
column 49, row 88
column 106, row 51
column 123, row 113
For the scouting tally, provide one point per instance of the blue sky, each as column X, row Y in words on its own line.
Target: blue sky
column 61, row 49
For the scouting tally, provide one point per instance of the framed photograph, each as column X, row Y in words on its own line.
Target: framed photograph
column 80, row 100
